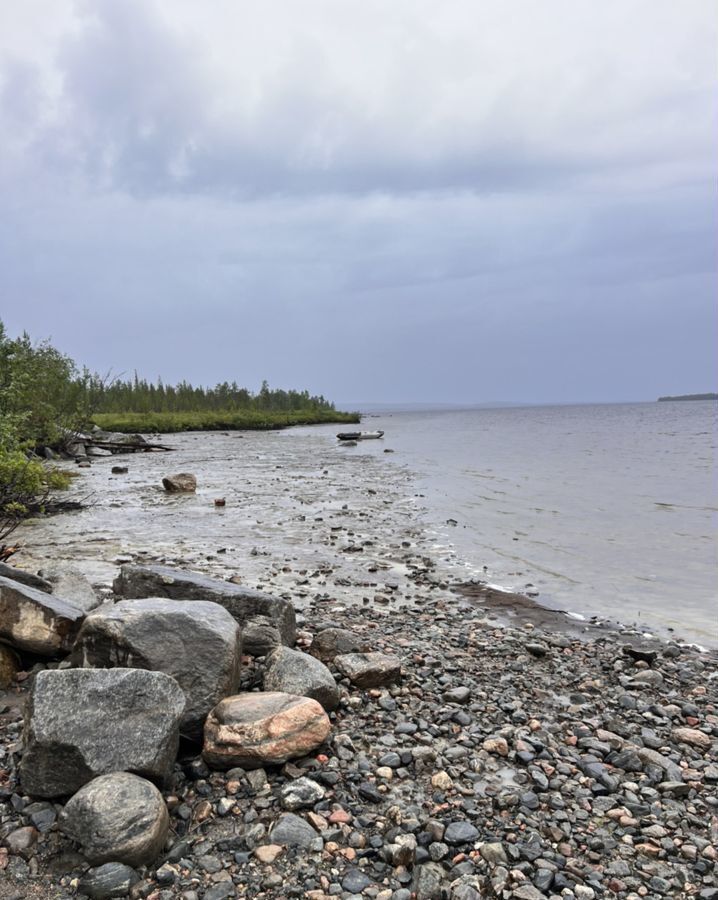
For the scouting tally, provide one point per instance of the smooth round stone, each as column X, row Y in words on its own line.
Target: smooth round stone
column 460, row 833
column 117, row 818
column 355, row 881
column 112, row 879
column 294, row 672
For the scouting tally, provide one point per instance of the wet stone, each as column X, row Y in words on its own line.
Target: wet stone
column 355, row 881
column 293, row 831
column 301, row 793
column 369, row 670
column 460, row 833
column 112, row 879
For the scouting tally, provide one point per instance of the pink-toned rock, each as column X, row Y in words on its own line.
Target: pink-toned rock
column 340, row 817
column 267, row 853
column 496, row 745
column 253, row 730
column 693, row 737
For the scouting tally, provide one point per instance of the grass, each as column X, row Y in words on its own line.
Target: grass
column 218, row 420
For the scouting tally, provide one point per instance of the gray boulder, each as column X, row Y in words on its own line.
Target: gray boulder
column 33, row 581
column 369, row 670
column 331, row 642
column 35, row 621
column 294, row 672
column 81, row 723
column 98, row 451
column 198, row 644
column 70, row 583
column 118, row 817
column 243, row 603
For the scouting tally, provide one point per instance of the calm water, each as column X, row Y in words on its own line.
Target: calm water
column 608, row 510
column 604, row 509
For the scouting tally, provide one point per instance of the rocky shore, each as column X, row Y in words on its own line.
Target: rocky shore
column 375, row 731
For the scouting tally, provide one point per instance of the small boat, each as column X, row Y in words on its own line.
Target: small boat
column 359, row 435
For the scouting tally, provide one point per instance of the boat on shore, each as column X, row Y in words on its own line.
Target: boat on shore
column 359, row 435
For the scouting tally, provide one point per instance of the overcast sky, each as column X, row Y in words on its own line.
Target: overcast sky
column 391, row 201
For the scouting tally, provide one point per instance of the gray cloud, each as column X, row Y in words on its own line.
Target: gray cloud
column 146, row 104
column 499, row 200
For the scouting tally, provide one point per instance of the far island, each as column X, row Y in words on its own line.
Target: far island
column 690, row 397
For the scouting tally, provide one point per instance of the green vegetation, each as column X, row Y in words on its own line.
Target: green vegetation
column 45, row 399
column 40, row 394
column 221, row 420
column 690, row 397
column 137, row 405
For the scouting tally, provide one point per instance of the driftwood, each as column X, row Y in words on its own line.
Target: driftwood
column 121, row 447
column 50, row 507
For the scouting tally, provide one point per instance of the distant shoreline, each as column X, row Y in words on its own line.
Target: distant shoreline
column 689, row 397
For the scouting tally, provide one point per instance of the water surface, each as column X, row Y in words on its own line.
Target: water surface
column 601, row 509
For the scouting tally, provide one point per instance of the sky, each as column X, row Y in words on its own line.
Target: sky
column 393, row 202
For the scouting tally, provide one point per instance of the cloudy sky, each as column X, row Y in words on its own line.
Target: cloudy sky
column 391, row 201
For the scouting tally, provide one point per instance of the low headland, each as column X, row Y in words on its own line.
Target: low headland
column 356, row 723
column 218, row 420
column 689, row 397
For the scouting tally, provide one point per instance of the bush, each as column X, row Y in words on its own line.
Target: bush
column 24, row 488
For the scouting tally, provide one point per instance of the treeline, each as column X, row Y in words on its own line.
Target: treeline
column 141, row 396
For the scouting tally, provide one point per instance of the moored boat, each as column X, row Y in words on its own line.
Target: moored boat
column 359, row 435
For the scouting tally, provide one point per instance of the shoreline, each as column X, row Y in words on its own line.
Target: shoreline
column 505, row 602
column 508, row 606
column 522, row 754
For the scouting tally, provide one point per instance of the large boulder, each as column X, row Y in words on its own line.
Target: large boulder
column 37, row 622
column 243, row 603
column 198, row 644
column 294, row 672
column 369, row 670
column 253, row 730
column 117, row 818
column 182, row 483
column 81, row 723
column 70, row 583
column 33, row 581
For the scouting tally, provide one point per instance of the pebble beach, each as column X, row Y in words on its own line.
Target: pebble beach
column 516, row 752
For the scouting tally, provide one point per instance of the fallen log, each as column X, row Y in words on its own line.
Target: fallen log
column 117, row 447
